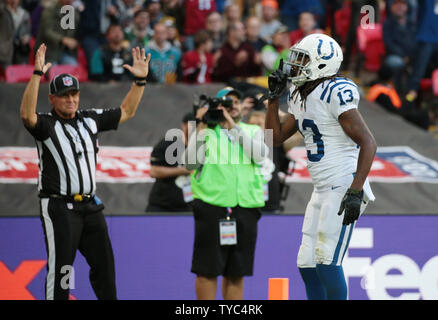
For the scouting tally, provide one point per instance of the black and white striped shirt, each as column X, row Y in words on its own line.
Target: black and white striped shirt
column 67, row 149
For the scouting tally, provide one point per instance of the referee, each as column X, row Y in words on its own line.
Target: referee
column 66, row 140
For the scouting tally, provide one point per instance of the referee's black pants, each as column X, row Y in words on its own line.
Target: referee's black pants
column 69, row 226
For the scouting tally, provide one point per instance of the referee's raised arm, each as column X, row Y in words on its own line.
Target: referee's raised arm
column 140, row 70
column 29, row 101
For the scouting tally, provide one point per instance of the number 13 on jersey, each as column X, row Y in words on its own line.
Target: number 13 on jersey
column 308, row 124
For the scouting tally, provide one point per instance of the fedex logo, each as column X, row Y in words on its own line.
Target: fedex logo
column 378, row 276
column 13, row 283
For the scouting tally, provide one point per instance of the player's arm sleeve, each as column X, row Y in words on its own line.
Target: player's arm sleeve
column 343, row 98
column 106, row 119
column 41, row 130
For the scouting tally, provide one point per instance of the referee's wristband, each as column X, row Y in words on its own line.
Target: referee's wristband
column 38, row 73
column 141, row 82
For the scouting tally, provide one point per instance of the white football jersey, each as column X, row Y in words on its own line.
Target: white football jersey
column 331, row 154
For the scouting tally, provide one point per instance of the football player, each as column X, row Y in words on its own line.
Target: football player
column 323, row 107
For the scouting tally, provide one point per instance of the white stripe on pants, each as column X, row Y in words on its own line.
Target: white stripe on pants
column 51, row 254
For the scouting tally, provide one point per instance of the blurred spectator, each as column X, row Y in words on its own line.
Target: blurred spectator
column 399, row 39
column 292, row 9
column 138, row 33
column 171, row 191
column 154, row 9
column 232, row 14
column 215, row 29
column 79, row 5
column 270, row 23
column 412, row 4
column 253, row 25
column 426, row 49
column 252, row 7
column 21, row 20
column 62, row 43
column 327, row 11
column 307, row 25
column 35, row 18
column 196, row 13
column 165, row 59
column 6, row 37
column 38, row 10
column 94, row 22
column 174, row 8
column 384, row 94
column 172, row 31
column 237, row 58
column 220, row 5
column 107, row 62
column 355, row 18
column 197, row 65
column 127, row 10
column 30, row 5
column 249, row 8
column 112, row 13
column 279, row 49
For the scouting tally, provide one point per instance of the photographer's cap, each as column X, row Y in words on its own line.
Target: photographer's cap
column 228, row 90
column 63, row 83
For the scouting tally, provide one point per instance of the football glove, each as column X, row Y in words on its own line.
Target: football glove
column 277, row 82
column 351, row 204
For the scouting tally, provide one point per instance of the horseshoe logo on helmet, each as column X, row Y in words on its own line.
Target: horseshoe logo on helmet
column 319, row 50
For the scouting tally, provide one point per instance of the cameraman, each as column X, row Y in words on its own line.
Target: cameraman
column 228, row 194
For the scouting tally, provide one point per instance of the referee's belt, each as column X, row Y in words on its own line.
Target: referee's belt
column 75, row 198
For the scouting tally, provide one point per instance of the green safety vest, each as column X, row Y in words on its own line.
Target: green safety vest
column 228, row 178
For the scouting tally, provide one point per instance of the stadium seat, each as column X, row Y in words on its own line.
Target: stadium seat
column 82, row 59
column 435, row 82
column 371, row 46
column 78, row 71
column 425, row 84
column 19, row 73
column 2, row 74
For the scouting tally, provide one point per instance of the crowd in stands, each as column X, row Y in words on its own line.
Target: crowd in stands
column 407, row 70
column 201, row 41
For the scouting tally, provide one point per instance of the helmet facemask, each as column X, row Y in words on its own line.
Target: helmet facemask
column 297, row 66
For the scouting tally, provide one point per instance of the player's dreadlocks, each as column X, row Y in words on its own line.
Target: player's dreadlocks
column 304, row 90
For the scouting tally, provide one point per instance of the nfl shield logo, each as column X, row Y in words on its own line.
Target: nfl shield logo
column 68, row 81
column 70, row 206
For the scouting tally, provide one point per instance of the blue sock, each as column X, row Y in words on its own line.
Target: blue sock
column 314, row 288
column 333, row 279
